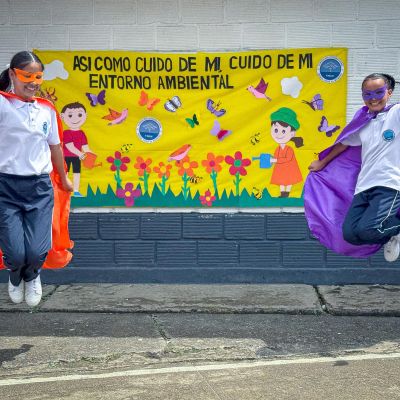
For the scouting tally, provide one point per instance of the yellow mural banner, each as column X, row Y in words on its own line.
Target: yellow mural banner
column 234, row 129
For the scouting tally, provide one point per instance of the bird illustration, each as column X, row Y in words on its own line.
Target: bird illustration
column 116, row 117
column 180, row 154
column 259, row 91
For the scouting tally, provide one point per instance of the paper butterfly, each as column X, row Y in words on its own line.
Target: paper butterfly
column 97, row 99
column 173, row 104
column 214, row 108
column 145, row 101
column 116, row 117
column 216, row 131
column 316, row 103
column 192, row 121
column 325, row 127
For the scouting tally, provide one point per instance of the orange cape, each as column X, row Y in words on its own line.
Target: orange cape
column 59, row 255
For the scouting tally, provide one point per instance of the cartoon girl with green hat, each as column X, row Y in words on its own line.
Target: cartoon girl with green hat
column 286, row 171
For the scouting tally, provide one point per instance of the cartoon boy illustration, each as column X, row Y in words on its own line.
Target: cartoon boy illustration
column 75, row 142
column 286, row 171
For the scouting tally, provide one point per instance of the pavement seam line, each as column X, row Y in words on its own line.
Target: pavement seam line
column 161, row 330
column 48, row 295
column 37, row 308
column 321, row 300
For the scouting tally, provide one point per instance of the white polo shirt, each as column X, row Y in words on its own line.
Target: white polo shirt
column 380, row 151
column 26, row 131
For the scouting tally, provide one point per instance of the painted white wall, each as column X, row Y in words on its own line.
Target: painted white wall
column 370, row 29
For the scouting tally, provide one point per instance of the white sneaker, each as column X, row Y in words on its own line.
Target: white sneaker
column 391, row 250
column 33, row 292
column 16, row 293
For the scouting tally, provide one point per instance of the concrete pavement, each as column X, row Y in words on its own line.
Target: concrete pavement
column 352, row 377
column 375, row 300
column 86, row 329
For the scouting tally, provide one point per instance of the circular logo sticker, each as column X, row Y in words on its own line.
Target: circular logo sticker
column 388, row 135
column 148, row 130
column 330, row 69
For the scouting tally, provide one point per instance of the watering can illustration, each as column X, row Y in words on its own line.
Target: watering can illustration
column 89, row 161
column 265, row 160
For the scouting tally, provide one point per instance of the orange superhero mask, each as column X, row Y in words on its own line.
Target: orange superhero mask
column 25, row 76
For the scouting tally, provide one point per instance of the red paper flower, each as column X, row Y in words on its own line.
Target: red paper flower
column 118, row 162
column 237, row 164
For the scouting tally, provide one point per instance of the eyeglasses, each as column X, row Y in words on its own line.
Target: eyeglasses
column 25, row 76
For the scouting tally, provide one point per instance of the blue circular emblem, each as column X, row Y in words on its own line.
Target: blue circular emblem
column 148, row 130
column 330, row 69
column 388, row 135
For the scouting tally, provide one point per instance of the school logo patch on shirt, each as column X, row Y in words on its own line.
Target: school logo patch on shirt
column 45, row 128
column 388, row 135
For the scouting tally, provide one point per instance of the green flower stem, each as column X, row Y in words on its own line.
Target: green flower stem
column 213, row 176
column 145, row 181
column 237, row 182
column 185, row 189
column 118, row 179
column 163, row 184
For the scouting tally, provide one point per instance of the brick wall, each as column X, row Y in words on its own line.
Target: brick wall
column 207, row 248
column 369, row 29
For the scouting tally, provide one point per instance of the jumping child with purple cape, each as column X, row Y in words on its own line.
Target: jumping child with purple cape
column 352, row 195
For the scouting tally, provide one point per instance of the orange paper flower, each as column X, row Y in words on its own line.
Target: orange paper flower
column 163, row 170
column 185, row 165
column 142, row 165
column 212, row 163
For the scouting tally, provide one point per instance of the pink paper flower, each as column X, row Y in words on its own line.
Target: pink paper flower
column 207, row 199
column 128, row 194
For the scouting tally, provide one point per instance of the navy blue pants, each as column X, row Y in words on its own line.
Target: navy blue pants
column 372, row 217
column 26, row 211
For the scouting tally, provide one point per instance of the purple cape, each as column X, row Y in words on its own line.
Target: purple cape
column 329, row 192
